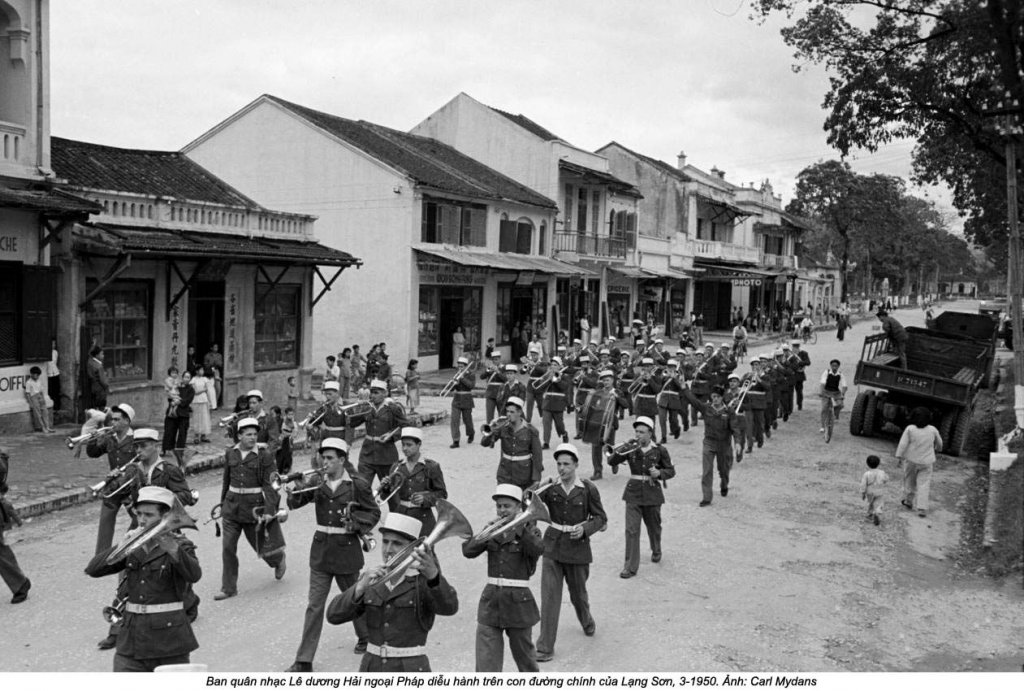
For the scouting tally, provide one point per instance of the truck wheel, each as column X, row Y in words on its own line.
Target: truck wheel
column 946, row 430
column 870, row 413
column 857, row 413
column 963, row 426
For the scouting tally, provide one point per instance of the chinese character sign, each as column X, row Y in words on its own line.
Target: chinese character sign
column 232, row 349
column 175, row 324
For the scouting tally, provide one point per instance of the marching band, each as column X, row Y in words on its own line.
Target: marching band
column 393, row 606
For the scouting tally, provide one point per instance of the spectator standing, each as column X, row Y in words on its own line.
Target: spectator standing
column 412, row 386
column 203, row 402
column 918, row 446
column 332, row 371
column 585, row 329
column 53, row 376
column 293, row 393
column 99, row 385
column 36, row 396
column 698, row 324
column 345, row 370
column 458, row 344
column 213, row 358
column 177, row 419
column 192, row 361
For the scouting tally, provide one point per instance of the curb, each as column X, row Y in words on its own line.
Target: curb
column 196, row 465
column 995, row 476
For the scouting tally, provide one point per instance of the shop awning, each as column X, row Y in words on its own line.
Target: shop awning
column 724, row 208
column 646, row 274
column 728, row 273
column 52, row 201
column 630, row 272
column 506, row 261
column 599, row 177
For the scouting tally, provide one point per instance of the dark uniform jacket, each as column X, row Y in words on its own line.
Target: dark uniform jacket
column 119, row 451
column 668, row 397
column 581, row 505
column 511, row 388
column 269, row 432
column 169, row 476
column 154, row 578
column 494, row 381
column 339, row 553
column 554, row 394
column 400, row 618
column 379, row 421
column 802, row 361
column 785, row 374
column 513, row 556
column 592, row 416
column 645, row 401
column 462, row 396
column 425, row 477
column 334, row 424
column 718, row 422
column 645, row 492
column 522, row 457
column 248, row 469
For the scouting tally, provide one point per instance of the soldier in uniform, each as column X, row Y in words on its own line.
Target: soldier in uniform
column 512, row 388
column 800, row 361
column 522, row 460
column 787, row 378
column 383, row 422
column 248, row 470
column 422, row 482
column 598, row 420
column 645, row 401
column 650, row 467
column 670, row 404
column 534, row 371
column 719, row 435
column 588, row 384
column 334, row 423
column 495, row 379
column 269, row 432
column 627, row 375
column 658, row 353
column 10, row 571
column 738, row 409
column 574, row 506
column 772, row 379
column 757, row 396
column 117, row 445
column 553, row 397
column 345, row 511
column 155, row 631
column 506, row 604
column 462, row 406
column 399, row 614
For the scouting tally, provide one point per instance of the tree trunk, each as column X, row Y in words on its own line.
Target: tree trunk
column 843, row 290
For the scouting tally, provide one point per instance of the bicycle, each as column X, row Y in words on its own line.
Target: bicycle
column 828, row 415
column 810, row 337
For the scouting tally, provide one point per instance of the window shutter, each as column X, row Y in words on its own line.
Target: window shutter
column 38, row 311
column 524, row 238
column 507, row 236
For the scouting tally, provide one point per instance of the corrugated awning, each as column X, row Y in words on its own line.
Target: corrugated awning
column 601, row 178
column 47, row 201
column 630, row 271
column 642, row 274
column 505, row 261
column 161, row 243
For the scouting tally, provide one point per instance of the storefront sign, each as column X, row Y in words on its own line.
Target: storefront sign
column 175, row 324
column 618, row 290
column 746, row 282
column 525, row 278
column 652, row 293
column 232, row 345
column 13, row 247
column 440, row 273
column 12, row 387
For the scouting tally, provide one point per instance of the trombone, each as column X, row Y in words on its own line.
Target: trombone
column 175, row 519
column 96, row 434
column 314, row 417
column 638, row 384
column 450, row 386
column 450, row 523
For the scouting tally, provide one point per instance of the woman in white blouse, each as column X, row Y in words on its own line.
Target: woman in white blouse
column 918, row 446
column 202, row 404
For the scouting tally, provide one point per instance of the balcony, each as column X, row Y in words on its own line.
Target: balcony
column 778, row 261
column 712, row 249
column 585, row 245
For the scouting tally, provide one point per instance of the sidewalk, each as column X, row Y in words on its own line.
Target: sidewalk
column 44, row 475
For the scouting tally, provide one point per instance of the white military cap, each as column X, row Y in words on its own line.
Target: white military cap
column 511, row 368
column 786, row 346
column 255, row 392
column 463, row 361
column 146, row 434
column 151, row 494
column 334, row 443
column 604, row 351
column 379, row 384
column 331, row 386
column 248, row 422
column 605, row 373
column 796, row 341
column 584, row 358
column 402, row 524
column 645, row 421
column 658, row 340
column 672, row 362
column 411, row 433
column 516, row 401
column 566, row 447
column 556, row 360
column 646, row 361
column 727, row 345
column 510, row 491
column 126, row 410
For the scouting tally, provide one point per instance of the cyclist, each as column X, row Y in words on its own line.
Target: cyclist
column 739, row 341
column 806, row 326
column 833, row 386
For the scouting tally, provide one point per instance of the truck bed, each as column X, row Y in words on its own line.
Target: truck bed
column 940, row 367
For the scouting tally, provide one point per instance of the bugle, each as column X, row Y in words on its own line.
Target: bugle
column 357, row 408
column 388, row 486
column 114, row 614
column 450, row 523
column 277, row 480
column 626, row 447
column 113, row 479
column 496, row 425
column 72, row 442
column 536, row 510
column 215, row 516
column 175, row 519
column 227, row 420
column 314, row 417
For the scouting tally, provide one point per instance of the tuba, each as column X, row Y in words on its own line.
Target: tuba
column 536, row 510
column 450, row 523
column 175, row 519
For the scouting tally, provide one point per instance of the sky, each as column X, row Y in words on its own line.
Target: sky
column 657, row 76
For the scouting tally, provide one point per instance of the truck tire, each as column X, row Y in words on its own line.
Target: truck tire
column 946, row 430
column 857, row 413
column 960, row 431
column 870, row 414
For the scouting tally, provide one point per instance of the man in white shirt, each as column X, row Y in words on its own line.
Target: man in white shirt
column 535, row 351
column 833, row 386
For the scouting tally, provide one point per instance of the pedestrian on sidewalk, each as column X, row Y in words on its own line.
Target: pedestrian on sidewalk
column 871, row 488
column 203, row 402
column 35, row 394
column 412, row 385
column 99, row 385
column 10, row 571
column 178, row 418
column 918, row 446
column 53, row 376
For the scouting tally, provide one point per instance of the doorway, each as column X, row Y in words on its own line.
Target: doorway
column 458, row 307
column 206, row 316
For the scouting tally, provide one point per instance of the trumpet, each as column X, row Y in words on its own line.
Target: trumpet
column 314, row 417
column 450, row 386
column 496, row 425
column 225, row 421
column 357, row 408
column 115, row 476
column 72, row 442
column 450, row 523
column 277, row 480
column 389, row 486
column 528, row 363
column 626, row 447
column 175, row 519
column 114, row 614
column 536, row 510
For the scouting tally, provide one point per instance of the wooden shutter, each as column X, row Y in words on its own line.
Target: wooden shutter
column 524, row 238
column 38, row 311
column 507, row 236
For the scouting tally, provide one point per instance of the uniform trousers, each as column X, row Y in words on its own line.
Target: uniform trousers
column 108, row 522
column 553, row 573
column 375, row 663
column 229, row 550
column 716, row 452
column 597, row 458
column 670, row 416
column 786, row 402
column 490, row 648
column 368, row 471
column 465, row 416
column 556, row 416
column 123, row 663
column 490, row 405
column 530, row 400
column 755, row 427
column 798, row 390
column 651, row 517
column 10, row 571
column 319, row 589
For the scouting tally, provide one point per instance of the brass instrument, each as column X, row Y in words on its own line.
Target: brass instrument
column 608, row 417
column 314, row 418
column 626, row 447
column 114, row 614
column 114, row 476
column 96, row 434
column 528, row 364
column 450, row 386
column 496, row 425
column 367, row 542
column 530, row 493
column 389, row 485
column 214, row 516
column 450, row 523
column 738, row 401
column 277, row 480
column 357, row 408
column 545, row 378
column 175, row 519
column 260, row 514
column 227, row 420
column 536, row 510
column 638, row 384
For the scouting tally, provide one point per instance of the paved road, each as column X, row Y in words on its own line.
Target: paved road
column 784, row 574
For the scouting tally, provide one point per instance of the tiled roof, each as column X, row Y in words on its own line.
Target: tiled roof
column 529, row 125
column 160, row 243
column 427, row 161
column 601, row 177
column 52, row 200
column 160, row 173
column 669, row 170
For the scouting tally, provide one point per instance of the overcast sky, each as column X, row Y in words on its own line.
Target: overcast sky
column 658, row 76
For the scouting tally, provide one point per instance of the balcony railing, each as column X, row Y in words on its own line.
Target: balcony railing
column 712, row 249
column 590, row 245
column 781, row 261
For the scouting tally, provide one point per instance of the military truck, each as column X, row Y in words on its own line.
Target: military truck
column 946, row 365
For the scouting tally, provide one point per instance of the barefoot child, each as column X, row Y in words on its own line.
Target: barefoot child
column 871, row 488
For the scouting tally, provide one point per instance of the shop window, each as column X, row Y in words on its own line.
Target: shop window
column 519, row 308
column 278, row 324
column 428, row 328
column 453, row 223
column 10, row 353
column 118, row 320
column 631, row 230
column 516, row 236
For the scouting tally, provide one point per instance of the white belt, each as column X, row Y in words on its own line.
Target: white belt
column 645, row 395
column 563, row 528
column 410, row 505
column 518, row 457
column 553, row 393
column 153, row 609
column 332, row 530
column 386, row 651
column 640, row 477
column 334, row 429
column 508, row 582
column 245, row 490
